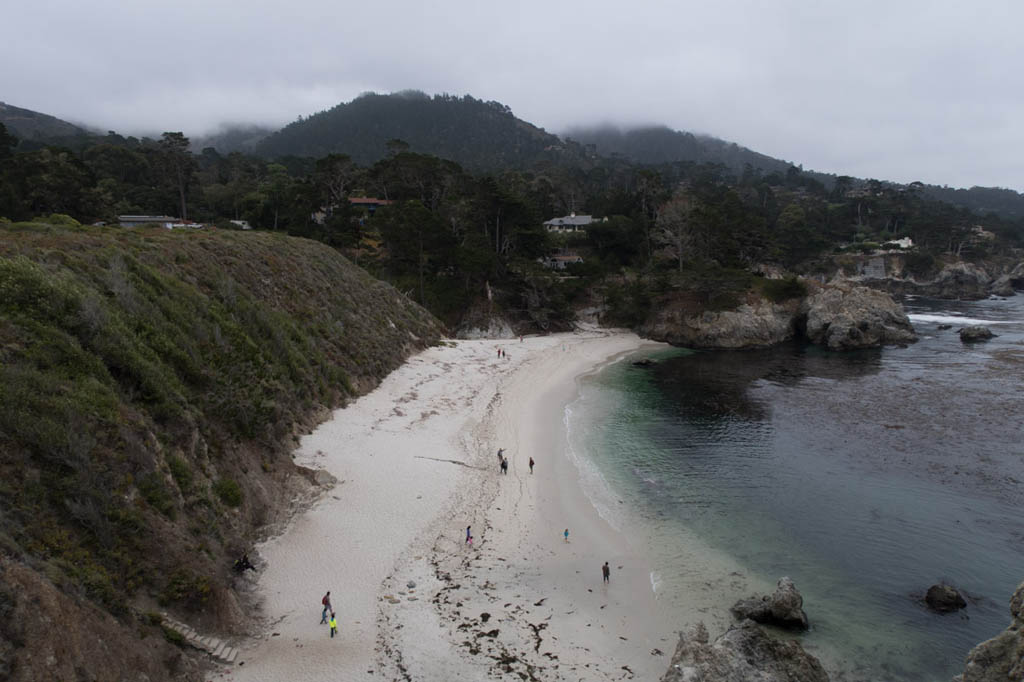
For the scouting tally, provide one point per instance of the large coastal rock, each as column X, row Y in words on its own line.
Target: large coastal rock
column 1009, row 283
column 757, row 325
column 843, row 316
column 944, row 598
column 1000, row 659
column 784, row 608
column 958, row 280
column 744, row 653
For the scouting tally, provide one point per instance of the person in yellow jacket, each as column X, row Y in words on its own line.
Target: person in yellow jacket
column 333, row 622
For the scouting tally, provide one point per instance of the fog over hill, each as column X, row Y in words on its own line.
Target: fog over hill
column 482, row 136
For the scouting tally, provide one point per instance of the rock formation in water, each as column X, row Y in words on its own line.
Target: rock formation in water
column 959, row 280
column 840, row 316
column 845, row 317
column 784, row 608
column 744, row 653
column 1000, row 659
column 751, row 325
column 974, row 333
column 1006, row 285
column 944, row 598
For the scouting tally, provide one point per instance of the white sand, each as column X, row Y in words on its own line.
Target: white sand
column 416, row 463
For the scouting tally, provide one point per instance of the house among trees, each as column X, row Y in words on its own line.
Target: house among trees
column 569, row 223
column 369, row 203
column 562, row 261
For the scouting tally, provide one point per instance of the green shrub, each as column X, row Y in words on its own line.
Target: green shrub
column 173, row 636
column 181, row 472
column 229, row 492
column 186, row 588
column 152, row 488
column 779, row 290
column 919, row 264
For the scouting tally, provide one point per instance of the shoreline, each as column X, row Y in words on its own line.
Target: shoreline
column 415, row 463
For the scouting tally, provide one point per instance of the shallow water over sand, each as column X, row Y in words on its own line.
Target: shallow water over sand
column 864, row 476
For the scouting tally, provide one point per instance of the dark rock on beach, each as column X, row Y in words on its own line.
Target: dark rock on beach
column 1001, row 658
column 944, row 598
column 743, row 653
column 784, row 608
column 975, row 333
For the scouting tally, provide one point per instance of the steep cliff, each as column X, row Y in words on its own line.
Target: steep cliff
column 152, row 385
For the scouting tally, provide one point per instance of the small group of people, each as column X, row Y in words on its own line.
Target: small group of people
column 501, row 354
column 503, row 462
column 331, row 622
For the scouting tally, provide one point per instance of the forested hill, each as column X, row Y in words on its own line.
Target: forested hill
column 479, row 135
column 660, row 145
column 32, row 125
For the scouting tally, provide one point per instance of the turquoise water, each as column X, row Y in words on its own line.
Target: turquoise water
column 866, row 477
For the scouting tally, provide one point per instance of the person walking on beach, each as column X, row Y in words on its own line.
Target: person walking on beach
column 504, row 465
column 326, row 601
column 334, row 625
column 566, row 534
column 531, row 465
column 606, row 571
column 469, row 535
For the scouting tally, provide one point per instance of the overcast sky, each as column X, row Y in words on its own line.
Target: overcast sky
column 901, row 90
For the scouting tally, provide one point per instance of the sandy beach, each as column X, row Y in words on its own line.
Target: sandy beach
column 415, row 463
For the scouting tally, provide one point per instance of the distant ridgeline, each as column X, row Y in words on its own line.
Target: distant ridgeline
column 482, row 137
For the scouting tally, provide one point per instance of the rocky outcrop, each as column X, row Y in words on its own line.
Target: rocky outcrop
column 958, row 280
column 842, row 316
column 944, row 598
column 1000, row 659
column 784, row 608
column 756, row 325
column 1008, row 284
column 974, row 333
column 744, row 653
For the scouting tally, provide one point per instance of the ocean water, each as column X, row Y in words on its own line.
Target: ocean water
column 866, row 477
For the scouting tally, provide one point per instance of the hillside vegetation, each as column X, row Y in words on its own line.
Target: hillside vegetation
column 152, row 384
